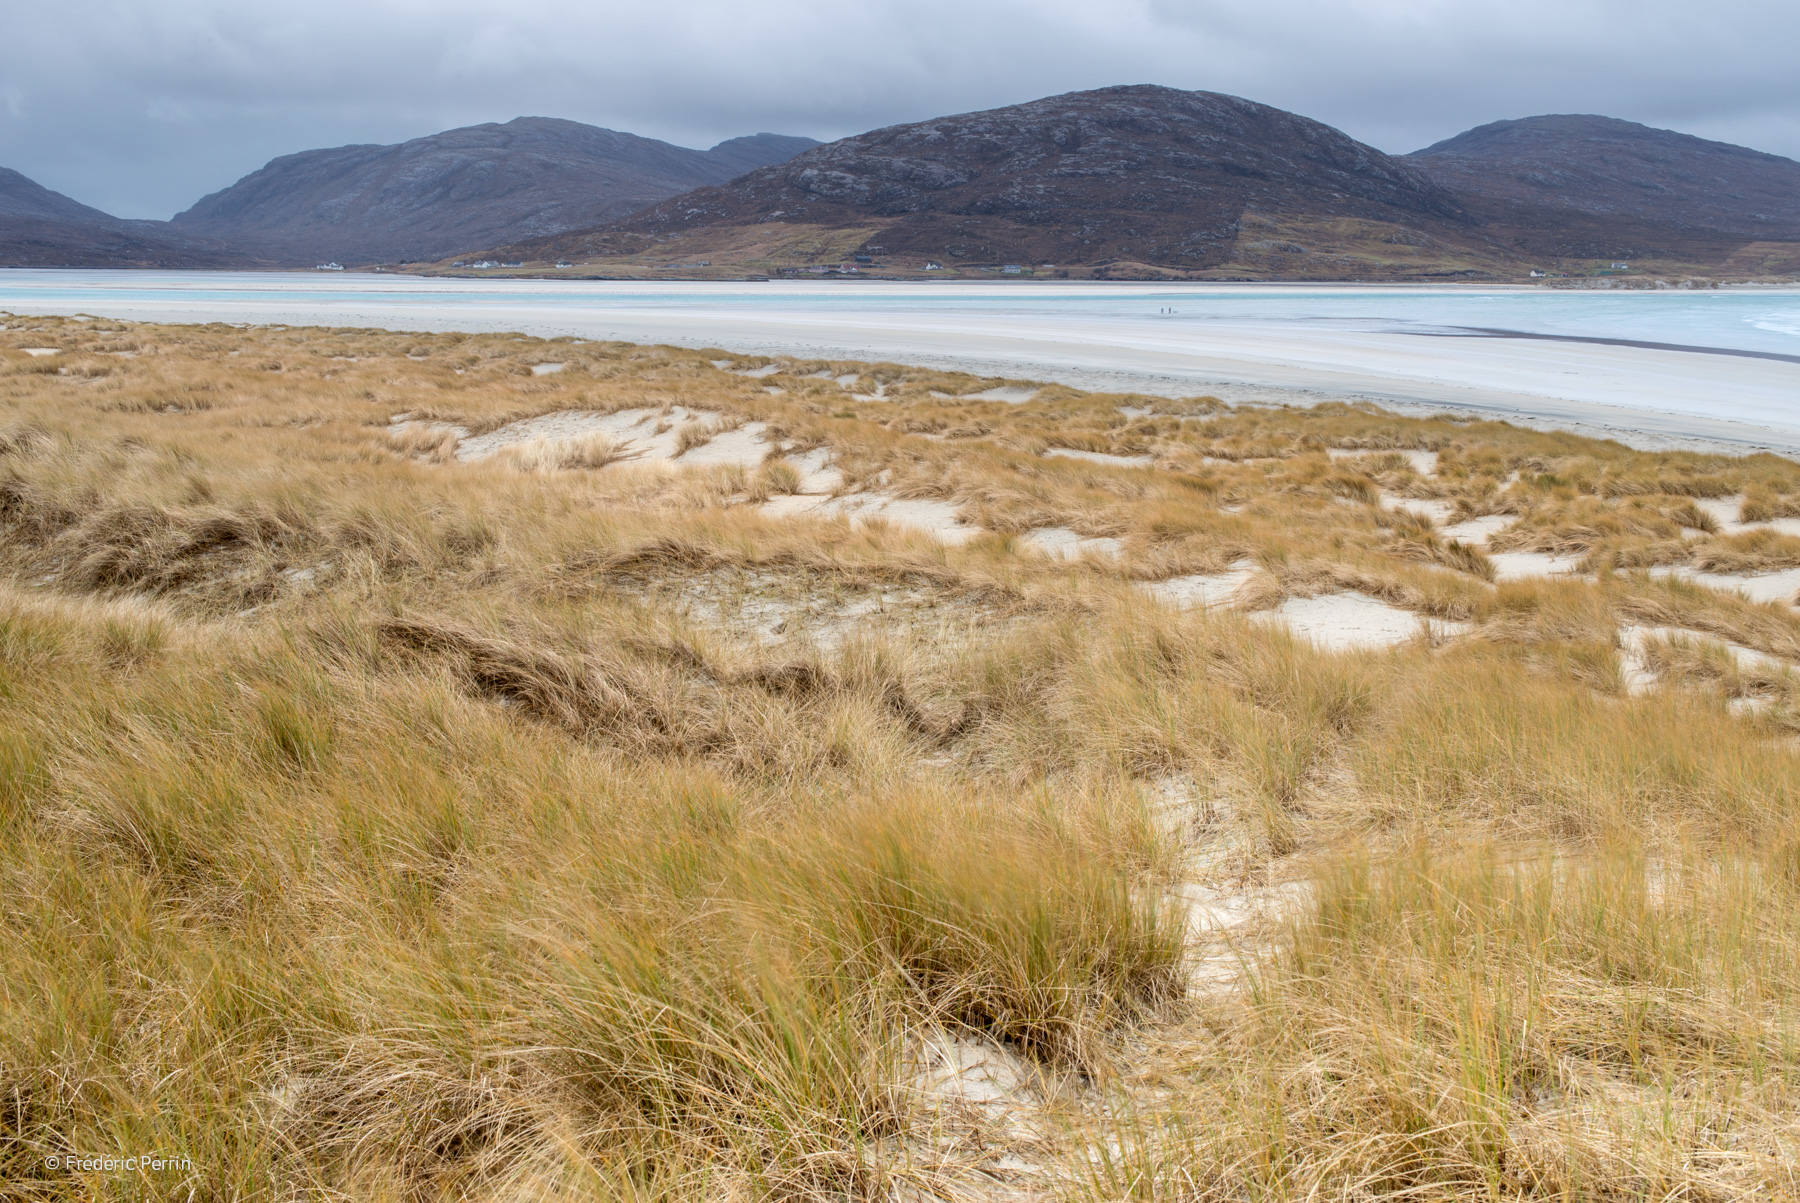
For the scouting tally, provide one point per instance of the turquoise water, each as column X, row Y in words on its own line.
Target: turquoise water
column 1745, row 320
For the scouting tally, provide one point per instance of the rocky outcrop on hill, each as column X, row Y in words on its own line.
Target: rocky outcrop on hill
column 461, row 190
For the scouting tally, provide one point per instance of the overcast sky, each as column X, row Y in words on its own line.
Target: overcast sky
column 141, row 108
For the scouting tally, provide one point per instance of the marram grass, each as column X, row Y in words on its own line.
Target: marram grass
column 378, row 826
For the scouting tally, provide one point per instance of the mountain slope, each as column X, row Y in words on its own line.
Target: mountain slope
column 26, row 199
column 461, row 189
column 41, row 228
column 1575, row 176
column 1143, row 174
column 735, row 156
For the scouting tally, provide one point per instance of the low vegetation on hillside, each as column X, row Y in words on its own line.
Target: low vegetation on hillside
column 477, row 767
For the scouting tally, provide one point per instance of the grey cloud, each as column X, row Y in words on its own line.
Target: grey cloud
column 140, row 109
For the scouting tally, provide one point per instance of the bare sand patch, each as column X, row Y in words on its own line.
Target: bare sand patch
column 547, row 369
column 1215, row 912
column 1011, row 394
column 1438, row 512
column 818, row 479
column 817, row 473
column 1227, row 928
column 1352, row 621
column 1761, row 587
column 1006, row 393
column 1639, row 677
column 745, row 446
column 1726, row 510
column 1478, row 531
column 38, row 352
column 1061, row 543
column 980, row 1079
column 768, row 369
column 935, row 518
column 1102, row 457
column 787, row 505
column 644, row 434
column 1202, row 589
column 1530, row 565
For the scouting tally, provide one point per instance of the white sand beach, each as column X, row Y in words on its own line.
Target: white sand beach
column 1286, row 345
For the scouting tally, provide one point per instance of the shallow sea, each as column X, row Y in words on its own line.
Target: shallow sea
column 1744, row 320
column 1703, row 367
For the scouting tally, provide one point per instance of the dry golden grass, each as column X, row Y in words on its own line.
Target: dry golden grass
column 382, row 826
column 595, row 449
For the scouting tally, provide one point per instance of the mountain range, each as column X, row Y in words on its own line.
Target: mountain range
column 460, row 190
column 1149, row 181
column 41, row 228
column 1124, row 182
column 415, row 201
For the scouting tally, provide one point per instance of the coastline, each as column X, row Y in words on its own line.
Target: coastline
column 1646, row 393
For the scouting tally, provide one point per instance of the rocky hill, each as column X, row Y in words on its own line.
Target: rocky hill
column 41, row 228
column 461, row 190
column 1603, row 166
column 26, row 199
column 1615, row 187
column 1138, row 174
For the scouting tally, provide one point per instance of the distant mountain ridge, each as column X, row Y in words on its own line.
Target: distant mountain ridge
column 41, row 228
column 1606, row 168
column 22, row 198
column 1132, row 181
column 461, row 189
column 1138, row 172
